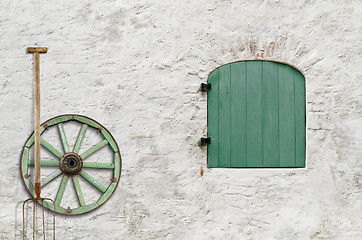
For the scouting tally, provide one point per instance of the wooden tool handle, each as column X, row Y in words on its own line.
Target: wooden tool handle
column 36, row 51
column 37, row 115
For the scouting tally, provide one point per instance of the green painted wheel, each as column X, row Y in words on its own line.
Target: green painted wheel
column 69, row 163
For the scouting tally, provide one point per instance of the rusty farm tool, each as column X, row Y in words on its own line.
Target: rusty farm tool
column 94, row 177
column 37, row 186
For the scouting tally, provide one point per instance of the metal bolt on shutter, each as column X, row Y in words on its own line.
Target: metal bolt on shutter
column 256, row 115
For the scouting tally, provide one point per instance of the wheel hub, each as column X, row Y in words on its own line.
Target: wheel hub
column 71, row 163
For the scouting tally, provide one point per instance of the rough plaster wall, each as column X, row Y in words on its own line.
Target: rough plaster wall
column 135, row 66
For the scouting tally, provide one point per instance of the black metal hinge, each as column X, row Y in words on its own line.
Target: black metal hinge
column 204, row 141
column 205, row 87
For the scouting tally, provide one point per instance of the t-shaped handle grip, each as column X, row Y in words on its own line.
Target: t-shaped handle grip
column 36, row 49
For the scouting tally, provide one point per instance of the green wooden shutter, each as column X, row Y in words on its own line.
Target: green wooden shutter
column 256, row 115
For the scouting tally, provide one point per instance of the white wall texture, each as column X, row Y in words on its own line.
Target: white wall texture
column 135, row 66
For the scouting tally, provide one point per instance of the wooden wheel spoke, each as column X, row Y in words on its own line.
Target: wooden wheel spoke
column 98, row 165
column 80, row 138
column 50, row 148
column 92, row 181
column 61, row 190
column 78, row 190
column 94, row 149
column 50, row 177
column 63, row 137
column 48, row 163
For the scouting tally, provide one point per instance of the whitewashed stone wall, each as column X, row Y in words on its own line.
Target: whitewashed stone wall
column 135, row 66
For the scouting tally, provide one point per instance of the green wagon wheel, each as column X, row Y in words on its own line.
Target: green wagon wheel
column 71, row 164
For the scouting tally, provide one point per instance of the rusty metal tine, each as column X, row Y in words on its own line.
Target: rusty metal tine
column 42, row 206
column 24, row 219
column 53, row 214
column 34, row 219
column 34, row 213
column 24, row 215
column 53, row 219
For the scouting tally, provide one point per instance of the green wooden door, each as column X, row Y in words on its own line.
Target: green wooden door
column 256, row 115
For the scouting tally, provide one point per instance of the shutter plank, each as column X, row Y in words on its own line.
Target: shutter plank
column 300, row 119
column 213, row 120
column 270, row 115
column 224, row 116
column 286, row 117
column 254, row 114
column 238, row 114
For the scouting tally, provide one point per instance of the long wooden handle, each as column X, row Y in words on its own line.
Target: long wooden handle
column 36, row 51
column 37, row 116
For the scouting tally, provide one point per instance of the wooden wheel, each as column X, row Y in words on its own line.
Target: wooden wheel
column 69, row 163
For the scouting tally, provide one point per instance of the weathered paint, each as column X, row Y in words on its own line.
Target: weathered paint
column 80, row 138
column 238, row 115
column 63, row 137
column 256, row 115
column 51, row 149
column 117, row 166
column 94, row 149
column 56, row 173
column 78, row 190
column 107, row 193
column 49, row 163
column 57, row 120
column 91, row 180
column 61, row 190
column 98, row 165
column 110, row 140
column 87, row 121
column 213, row 126
column 24, row 160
